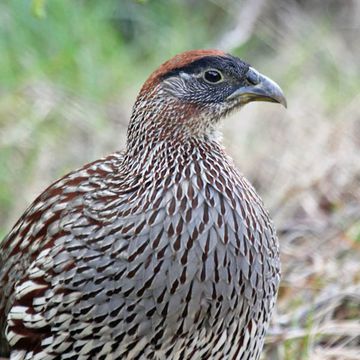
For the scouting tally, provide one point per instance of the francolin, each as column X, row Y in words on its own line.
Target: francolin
column 161, row 251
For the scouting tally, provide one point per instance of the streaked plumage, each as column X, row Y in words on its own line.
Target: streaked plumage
column 163, row 251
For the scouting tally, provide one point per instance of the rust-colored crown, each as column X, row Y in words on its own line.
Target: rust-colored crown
column 176, row 62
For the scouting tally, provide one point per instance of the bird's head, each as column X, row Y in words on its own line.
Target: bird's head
column 188, row 94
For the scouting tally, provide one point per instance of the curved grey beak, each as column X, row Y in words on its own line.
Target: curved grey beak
column 261, row 88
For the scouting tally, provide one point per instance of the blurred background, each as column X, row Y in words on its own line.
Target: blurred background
column 70, row 72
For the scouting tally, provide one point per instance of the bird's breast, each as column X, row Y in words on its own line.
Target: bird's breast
column 195, row 249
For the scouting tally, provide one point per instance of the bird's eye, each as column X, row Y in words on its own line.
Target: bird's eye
column 212, row 76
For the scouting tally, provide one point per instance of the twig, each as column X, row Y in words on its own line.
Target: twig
column 245, row 21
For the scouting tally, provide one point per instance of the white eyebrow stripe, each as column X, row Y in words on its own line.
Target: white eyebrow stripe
column 185, row 75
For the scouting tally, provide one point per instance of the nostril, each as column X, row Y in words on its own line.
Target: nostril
column 252, row 76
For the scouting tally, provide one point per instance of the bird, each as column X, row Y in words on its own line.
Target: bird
column 160, row 251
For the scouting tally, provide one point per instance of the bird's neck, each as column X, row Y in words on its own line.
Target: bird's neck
column 162, row 130
column 158, row 154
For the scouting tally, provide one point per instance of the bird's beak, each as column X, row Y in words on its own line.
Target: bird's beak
column 260, row 88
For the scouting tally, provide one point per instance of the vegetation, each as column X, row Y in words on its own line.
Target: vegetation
column 70, row 71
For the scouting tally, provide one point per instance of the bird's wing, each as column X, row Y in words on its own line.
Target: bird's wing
column 84, row 260
column 32, row 256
